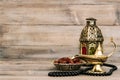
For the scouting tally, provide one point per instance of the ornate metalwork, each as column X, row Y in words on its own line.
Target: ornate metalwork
column 90, row 37
column 97, row 59
column 91, row 51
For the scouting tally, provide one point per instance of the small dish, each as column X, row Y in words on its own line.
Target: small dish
column 68, row 67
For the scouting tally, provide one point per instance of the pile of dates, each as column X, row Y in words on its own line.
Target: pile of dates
column 67, row 60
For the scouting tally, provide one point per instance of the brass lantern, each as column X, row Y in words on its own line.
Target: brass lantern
column 90, row 37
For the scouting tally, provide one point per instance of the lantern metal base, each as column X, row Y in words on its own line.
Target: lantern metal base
column 97, row 69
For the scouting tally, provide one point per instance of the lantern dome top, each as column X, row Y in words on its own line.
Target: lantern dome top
column 91, row 19
column 91, row 32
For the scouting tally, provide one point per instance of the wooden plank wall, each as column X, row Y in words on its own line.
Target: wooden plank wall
column 35, row 32
column 29, row 27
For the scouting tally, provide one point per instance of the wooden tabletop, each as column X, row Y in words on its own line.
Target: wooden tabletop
column 37, row 69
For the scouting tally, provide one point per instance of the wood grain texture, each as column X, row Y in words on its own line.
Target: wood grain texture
column 105, row 14
column 57, row 78
column 33, row 68
column 39, row 15
column 18, row 41
column 37, row 52
column 33, row 33
column 50, row 35
column 58, row 15
column 58, row 2
column 47, row 52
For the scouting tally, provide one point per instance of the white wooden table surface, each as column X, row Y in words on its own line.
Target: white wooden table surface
column 37, row 69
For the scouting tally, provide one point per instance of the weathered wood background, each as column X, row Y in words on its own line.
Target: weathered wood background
column 34, row 32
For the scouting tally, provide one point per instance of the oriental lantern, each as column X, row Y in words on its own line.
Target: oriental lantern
column 90, row 37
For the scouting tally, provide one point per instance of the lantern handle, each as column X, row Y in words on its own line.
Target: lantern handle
column 114, row 44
